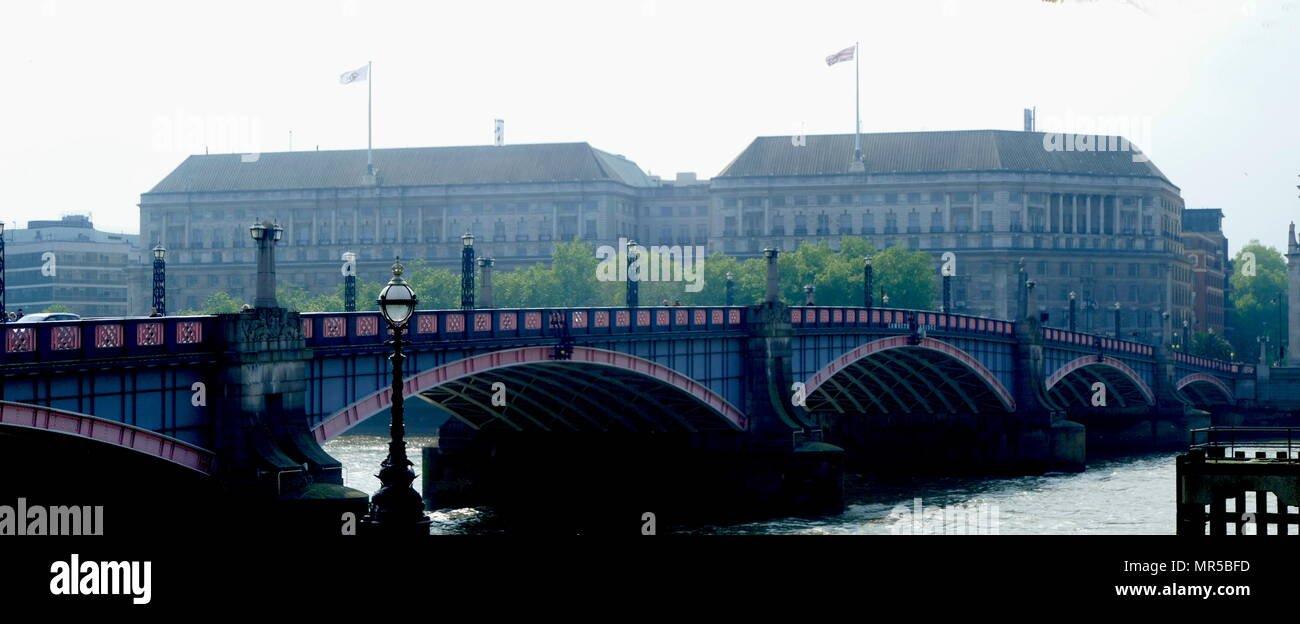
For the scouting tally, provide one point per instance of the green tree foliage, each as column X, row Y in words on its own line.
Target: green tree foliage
column 1254, row 311
column 58, row 307
column 220, row 302
column 908, row 277
column 1211, row 345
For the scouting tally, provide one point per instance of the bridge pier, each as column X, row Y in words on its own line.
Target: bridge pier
column 266, row 456
column 1049, row 440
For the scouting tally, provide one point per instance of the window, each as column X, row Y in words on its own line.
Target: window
column 729, row 202
column 1015, row 197
column 986, row 220
column 986, row 197
column 914, row 222
column 1014, row 221
column 778, row 201
column 913, row 198
column 800, row 225
column 823, row 200
column 846, row 199
column 891, row 223
column 891, row 198
column 936, row 221
column 936, row 197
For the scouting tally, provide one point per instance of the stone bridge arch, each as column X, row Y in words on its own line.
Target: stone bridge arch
column 593, row 390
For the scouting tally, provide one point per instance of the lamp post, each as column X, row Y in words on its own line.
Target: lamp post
column 867, row 277
column 467, row 271
column 884, row 299
column 1073, row 307
column 1117, row 328
column 731, row 288
column 4, row 316
column 1022, row 289
column 808, row 290
column 1187, row 330
column 349, row 281
column 266, row 235
column 1165, row 330
column 159, row 280
column 397, row 507
column 632, row 284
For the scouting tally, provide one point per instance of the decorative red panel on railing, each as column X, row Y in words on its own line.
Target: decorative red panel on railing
column 456, row 322
column 64, row 338
column 367, row 326
column 108, row 336
column 20, row 339
column 334, row 327
column 579, row 319
column 148, row 334
column 602, row 318
column 482, row 321
column 189, row 332
column 508, row 321
column 532, row 320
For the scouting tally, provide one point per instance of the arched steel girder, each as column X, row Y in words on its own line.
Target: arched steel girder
column 593, row 382
column 1077, row 380
column 879, row 366
column 919, row 363
column 929, row 377
column 517, row 378
column 1205, row 389
column 1091, row 376
column 537, row 384
column 601, row 386
column 908, row 366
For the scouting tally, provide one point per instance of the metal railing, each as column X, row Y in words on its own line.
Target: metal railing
column 1224, row 442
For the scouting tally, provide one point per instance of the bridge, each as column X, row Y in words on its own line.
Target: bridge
column 768, row 401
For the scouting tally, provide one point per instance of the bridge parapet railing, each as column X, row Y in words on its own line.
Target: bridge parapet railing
column 1222, row 366
column 1094, row 341
column 90, row 339
column 809, row 317
column 325, row 329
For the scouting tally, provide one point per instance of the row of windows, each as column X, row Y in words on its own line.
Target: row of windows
column 933, row 197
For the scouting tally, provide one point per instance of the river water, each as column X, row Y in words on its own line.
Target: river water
column 1130, row 495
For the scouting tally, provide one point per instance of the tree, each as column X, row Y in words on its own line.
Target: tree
column 908, row 277
column 1254, row 310
column 1211, row 345
column 220, row 302
column 58, row 307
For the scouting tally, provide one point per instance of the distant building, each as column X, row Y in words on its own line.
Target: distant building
column 1097, row 223
column 1207, row 250
column 1101, row 224
column 67, row 262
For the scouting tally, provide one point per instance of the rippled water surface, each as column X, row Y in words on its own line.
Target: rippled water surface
column 1121, row 495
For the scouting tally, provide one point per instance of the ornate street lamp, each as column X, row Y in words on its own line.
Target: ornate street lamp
column 1073, row 306
column 159, row 281
column 1117, row 329
column 866, row 281
column 349, row 281
column 1187, row 331
column 885, row 300
column 808, row 290
column 633, row 293
column 397, row 507
column 731, row 288
column 467, row 271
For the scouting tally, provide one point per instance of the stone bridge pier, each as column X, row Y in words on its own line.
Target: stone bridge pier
column 266, row 457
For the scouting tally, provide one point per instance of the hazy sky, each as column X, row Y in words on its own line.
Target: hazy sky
column 102, row 99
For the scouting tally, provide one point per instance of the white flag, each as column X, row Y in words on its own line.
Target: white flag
column 355, row 75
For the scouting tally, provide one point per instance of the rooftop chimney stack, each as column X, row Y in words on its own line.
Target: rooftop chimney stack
column 1030, row 114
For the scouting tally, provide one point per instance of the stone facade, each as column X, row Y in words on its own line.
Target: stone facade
column 1108, row 231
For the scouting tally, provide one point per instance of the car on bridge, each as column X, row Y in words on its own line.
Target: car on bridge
column 48, row 316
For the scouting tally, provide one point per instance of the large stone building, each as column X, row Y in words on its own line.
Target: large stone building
column 68, row 262
column 1207, row 251
column 1097, row 223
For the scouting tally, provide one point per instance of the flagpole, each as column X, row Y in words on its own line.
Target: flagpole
column 370, row 129
column 857, row 107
